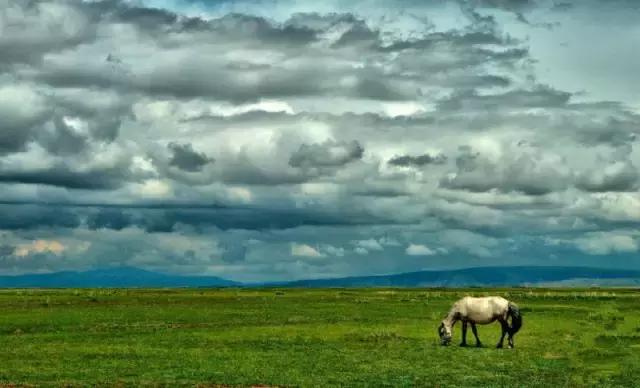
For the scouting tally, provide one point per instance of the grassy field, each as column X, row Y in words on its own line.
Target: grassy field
column 336, row 337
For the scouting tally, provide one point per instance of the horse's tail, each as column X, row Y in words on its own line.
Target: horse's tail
column 516, row 318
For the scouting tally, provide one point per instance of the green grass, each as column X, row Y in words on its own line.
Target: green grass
column 312, row 338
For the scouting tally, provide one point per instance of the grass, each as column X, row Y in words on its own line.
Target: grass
column 311, row 338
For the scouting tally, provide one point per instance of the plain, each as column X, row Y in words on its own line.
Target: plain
column 311, row 337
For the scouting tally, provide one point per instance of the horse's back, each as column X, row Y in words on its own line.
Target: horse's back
column 483, row 309
column 487, row 300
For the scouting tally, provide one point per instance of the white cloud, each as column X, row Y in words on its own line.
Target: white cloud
column 40, row 246
column 607, row 243
column 370, row 244
column 419, row 250
column 304, row 250
column 334, row 251
column 389, row 242
column 361, row 251
column 154, row 188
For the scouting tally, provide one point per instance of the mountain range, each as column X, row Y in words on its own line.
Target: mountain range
column 111, row 278
column 479, row 276
column 486, row 277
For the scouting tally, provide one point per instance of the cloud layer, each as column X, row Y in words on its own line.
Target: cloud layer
column 288, row 140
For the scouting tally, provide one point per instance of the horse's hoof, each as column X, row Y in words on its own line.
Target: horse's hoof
column 499, row 346
column 478, row 345
column 463, row 344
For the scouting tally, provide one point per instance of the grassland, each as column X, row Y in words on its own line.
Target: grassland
column 336, row 337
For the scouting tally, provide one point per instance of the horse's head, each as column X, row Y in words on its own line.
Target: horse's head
column 444, row 331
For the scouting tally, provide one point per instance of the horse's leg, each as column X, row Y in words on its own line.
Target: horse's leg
column 510, row 340
column 464, row 334
column 505, row 329
column 475, row 334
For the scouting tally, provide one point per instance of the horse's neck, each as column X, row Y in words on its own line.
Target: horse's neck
column 453, row 316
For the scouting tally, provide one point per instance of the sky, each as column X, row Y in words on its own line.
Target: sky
column 263, row 140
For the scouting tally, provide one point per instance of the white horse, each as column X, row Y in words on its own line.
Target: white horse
column 482, row 311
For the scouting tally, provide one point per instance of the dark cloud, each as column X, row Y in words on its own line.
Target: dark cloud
column 328, row 154
column 312, row 71
column 242, row 170
column 509, row 5
column 166, row 218
column 34, row 216
column 235, row 252
column 109, row 218
column 61, row 125
column 62, row 139
column 13, row 139
column 35, row 28
column 185, row 158
column 248, row 218
column 6, row 251
column 420, row 160
column 517, row 7
column 358, row 34
column 22, row 109
column 453, row 40
column 562, row 6
column 523, row 172
column 539, row 97
column 74, row 175
column 618, row 176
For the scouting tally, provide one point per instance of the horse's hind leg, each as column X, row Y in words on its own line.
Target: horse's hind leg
column 464, row 334
column 475, row 334
column 505, row 329
column 511, row 345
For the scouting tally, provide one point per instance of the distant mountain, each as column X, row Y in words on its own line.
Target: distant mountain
column 111, row 277
column 480, row 277
column 484, row 277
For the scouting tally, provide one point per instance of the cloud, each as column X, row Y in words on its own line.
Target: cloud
column 538, row 97
column 607, row 243
column 208, row 138
column 35, row 216
column 419, row 250
column 471, row 243
column 21, row 109
column 39, row 246
column 369, row 245
column 108, row 170
column 36, row 28
column 334, row 251
column 420, row 160
column 185, row 158
column 304, row 250
column 529, row 171
column 327, row 154
column 616, row 176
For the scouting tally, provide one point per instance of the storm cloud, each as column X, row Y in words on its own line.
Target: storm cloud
column 185, row 158
column 327, row 154
column 420, row 160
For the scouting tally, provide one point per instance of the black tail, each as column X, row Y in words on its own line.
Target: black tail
column 516, row 318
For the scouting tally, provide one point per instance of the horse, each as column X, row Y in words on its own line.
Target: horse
column 481, row 311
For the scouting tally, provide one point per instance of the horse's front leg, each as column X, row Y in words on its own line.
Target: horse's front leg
column 464, row 334
column 475, row 334
column 505, row 329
